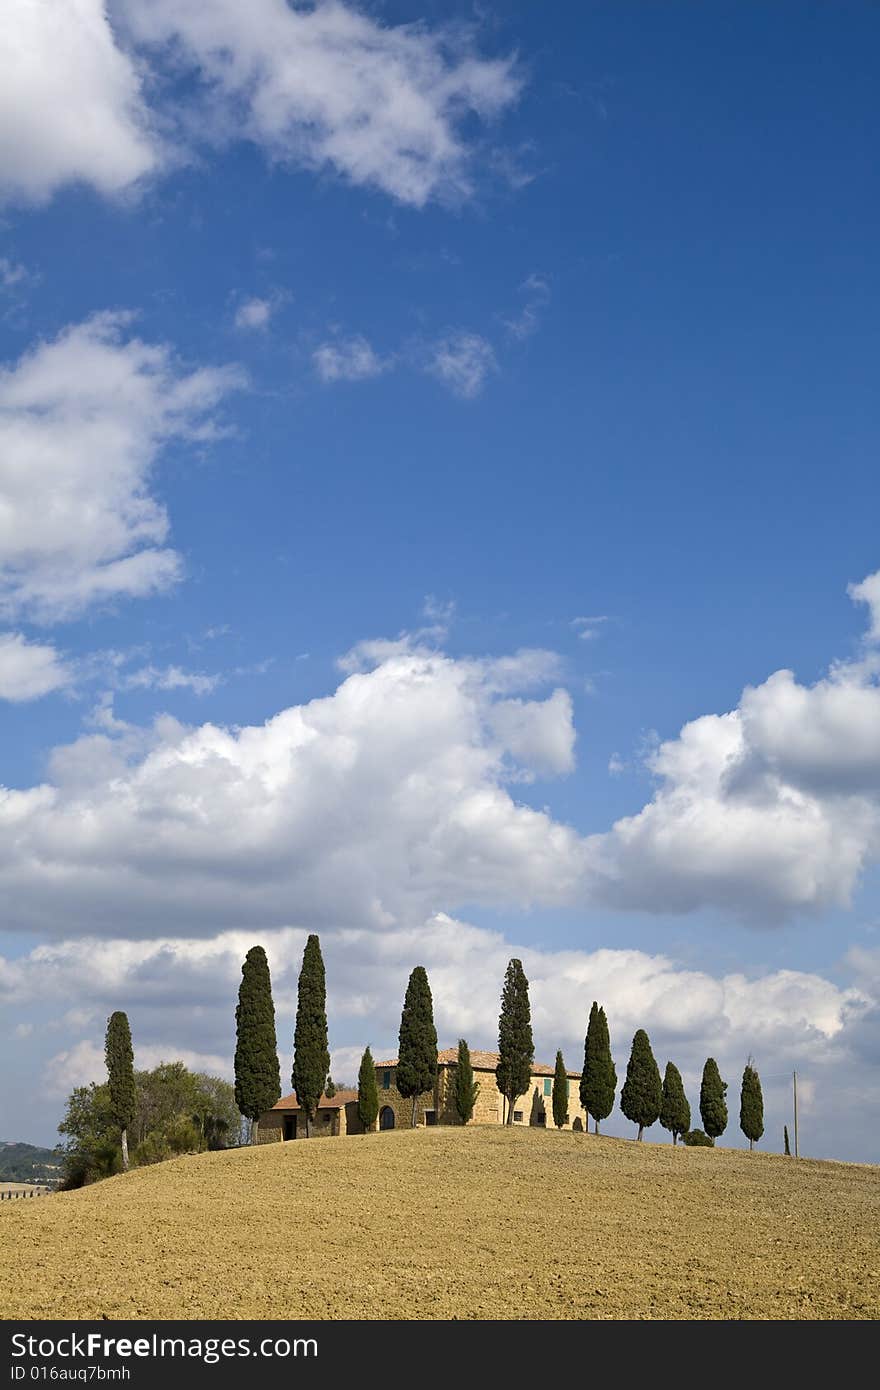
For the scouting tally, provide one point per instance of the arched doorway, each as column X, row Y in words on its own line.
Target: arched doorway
column 386, row 1117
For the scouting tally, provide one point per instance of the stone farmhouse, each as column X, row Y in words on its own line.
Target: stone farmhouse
column 338, row 1115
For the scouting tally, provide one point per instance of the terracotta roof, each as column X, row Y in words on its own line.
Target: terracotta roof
column 325, row 1103
column 483, row 1061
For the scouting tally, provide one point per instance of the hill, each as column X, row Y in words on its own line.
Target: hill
column 436, row 1223
column 27, row 1163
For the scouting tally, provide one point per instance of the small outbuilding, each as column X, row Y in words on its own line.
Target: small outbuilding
column 337, row 1114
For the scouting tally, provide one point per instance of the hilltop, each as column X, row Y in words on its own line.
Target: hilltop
column 21, row 1162
column 437, row 1223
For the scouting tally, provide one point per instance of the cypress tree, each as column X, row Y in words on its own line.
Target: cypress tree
column 599, row 1078
column 785, row 1141
column 466, row 1088
column 417, row 1041
column 751, row 1106
column 257, row 1075
column 675, row 1113
column 713, row 1106
column 311, row 1055
column 119, row 1057
column 642, row 1093
column 560, row 1093
column 368, row 1091
column 330, row 1088
column 515, row 1045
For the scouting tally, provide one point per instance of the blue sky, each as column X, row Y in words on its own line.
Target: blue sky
column 508, row 390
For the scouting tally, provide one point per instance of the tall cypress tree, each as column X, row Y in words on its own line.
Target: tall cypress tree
column 642, row 1093
column 560, row 1093
column 675, row 1113
column 368, row 1091
column 119, row 1056
column 257, row 1075
column 785, row 1141
column 516, row 1048
column 417, row 1041
column 466, row 1089
column 311, row 1055
column 713, row 1106
column 599, row 1077
column 751, row 1106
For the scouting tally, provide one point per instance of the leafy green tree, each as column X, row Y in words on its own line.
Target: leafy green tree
column 675, row 1113
column 330, row 1088
column 642, row 1093
column 713, row 1106
column 751, row 1106
column 417, row 1041
column 599, row 1078
column 466, row 1089
column 178, row 1111
column 120, row 1074
column 257, row 1074
column 92, row 1149
column 368, row 1091
column 516, row 1048
column 785, row 1141
column 560, row 1093
column 311, row 1055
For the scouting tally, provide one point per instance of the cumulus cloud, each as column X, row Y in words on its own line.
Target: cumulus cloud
column 29, row 670
column 329, row 87
column 395, row 797
column 350, row 359
column 71, row 102
column 386, row 798
column 462, row 361
column 769, row 809
column 82, row 421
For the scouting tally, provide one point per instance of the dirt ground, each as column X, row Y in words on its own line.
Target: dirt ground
column 451, row 1223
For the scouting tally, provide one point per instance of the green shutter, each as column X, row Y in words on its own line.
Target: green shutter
column 548, row 1086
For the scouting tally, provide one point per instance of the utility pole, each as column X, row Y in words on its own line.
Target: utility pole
column 794, row 1075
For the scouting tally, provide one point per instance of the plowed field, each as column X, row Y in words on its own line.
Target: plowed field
column 438, row 1223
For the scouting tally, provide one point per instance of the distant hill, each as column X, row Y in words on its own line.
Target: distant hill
column 28, row 1163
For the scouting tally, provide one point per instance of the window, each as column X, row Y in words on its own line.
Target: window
column 386, row 1081
column 326, row 1117
column 517, row 1117
column 548, row 1086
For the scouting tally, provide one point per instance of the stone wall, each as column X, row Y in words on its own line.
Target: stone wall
column 535, row 1107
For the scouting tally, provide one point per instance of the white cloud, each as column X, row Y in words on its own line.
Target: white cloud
column 254, row 314
column 462, row 361
column 82, row 420
column 352, row 359
column 84, row 1063
column 522, row 325
column 769, row 809
column 71, row 106
column 12, row 273
column 588, row 628
column 387, row 798
column 869, row 592
column 171, row 678
column 393, row 798
column 331, row 87
column 29, row 669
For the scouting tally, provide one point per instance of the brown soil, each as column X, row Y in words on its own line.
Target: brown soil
column 439, row 1223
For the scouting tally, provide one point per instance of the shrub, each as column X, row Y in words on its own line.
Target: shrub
column 696, row 1139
